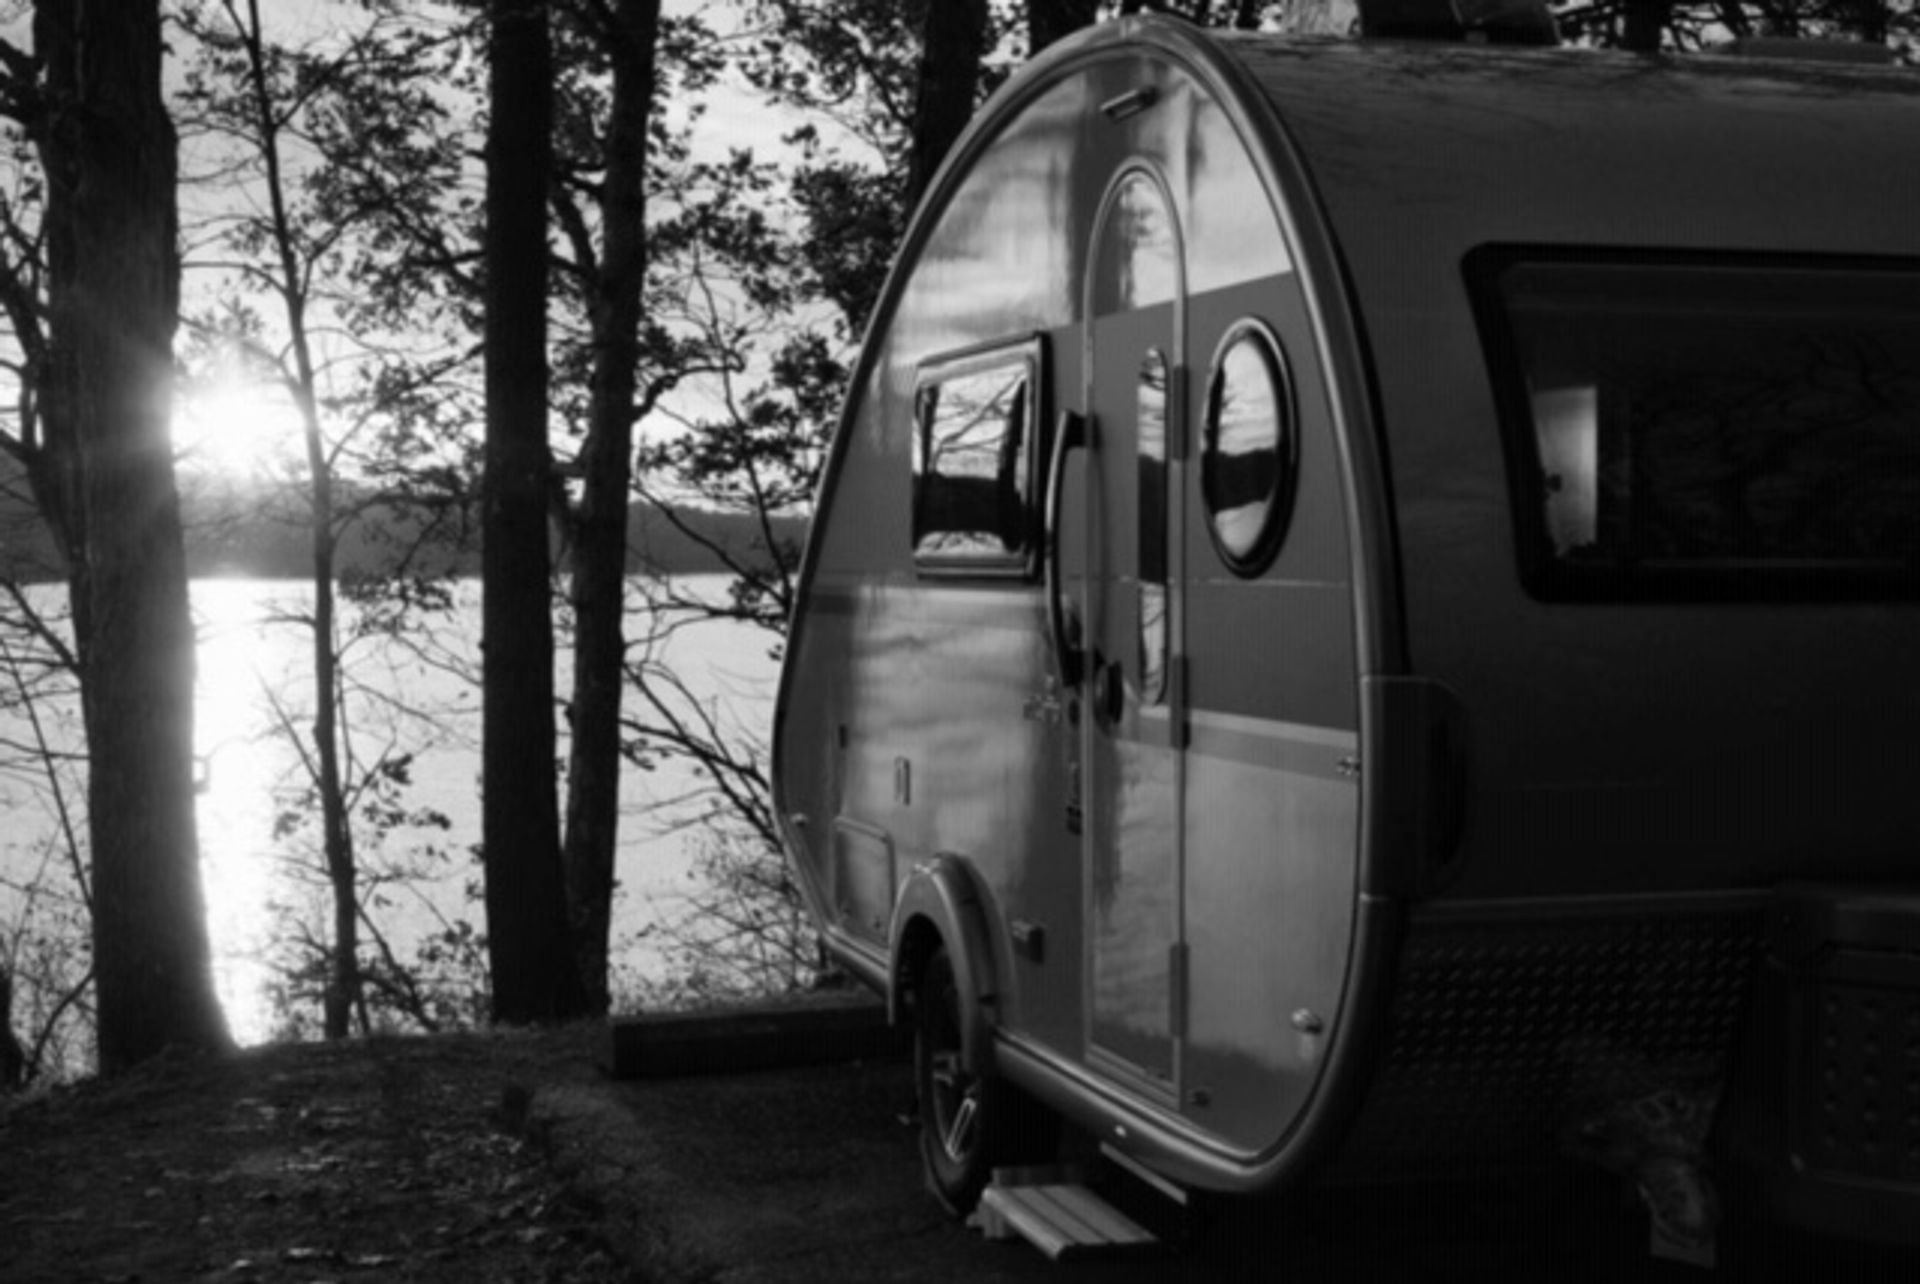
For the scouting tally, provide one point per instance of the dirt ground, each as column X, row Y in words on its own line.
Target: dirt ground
column 390, row 1159
column 498, row 1157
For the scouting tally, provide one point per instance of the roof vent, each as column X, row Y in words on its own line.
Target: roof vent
column 1494, row 22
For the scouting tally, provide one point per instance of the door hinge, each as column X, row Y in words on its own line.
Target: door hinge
column 1177, row 989
column 1181, row 729
column 1179, row 425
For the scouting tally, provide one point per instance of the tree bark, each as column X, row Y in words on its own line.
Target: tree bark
column 1870, row 20
column 1050, row 20
column 1645, row 21
column 954, row 42
column 534, row 975
column 113, row 302
column 599, row 562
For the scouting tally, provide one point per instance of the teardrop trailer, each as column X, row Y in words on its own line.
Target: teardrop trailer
column 1361, row 624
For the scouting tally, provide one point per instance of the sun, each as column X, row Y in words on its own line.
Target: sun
column 235, row 429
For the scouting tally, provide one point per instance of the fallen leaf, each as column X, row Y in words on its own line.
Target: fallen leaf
column 372, row 1261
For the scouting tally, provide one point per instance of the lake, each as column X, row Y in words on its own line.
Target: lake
column 414, row 693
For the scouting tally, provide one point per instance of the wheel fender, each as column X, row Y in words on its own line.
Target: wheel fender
column 942, row 897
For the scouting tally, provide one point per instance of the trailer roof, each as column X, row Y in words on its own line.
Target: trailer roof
column 1428, row 149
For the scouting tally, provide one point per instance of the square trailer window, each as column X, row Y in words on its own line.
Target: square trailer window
column 974, row 453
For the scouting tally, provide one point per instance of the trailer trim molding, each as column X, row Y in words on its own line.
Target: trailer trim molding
column 940, row 904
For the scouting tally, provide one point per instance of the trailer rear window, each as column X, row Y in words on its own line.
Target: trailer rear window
column 1709, row 427
column 973, row 462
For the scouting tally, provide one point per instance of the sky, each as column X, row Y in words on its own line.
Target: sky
column 234, row 430
column 231, row 429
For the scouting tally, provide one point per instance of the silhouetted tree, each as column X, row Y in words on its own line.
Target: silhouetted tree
column 535, row 976
column 953, row 46
column 100, row 457
column 628, row 32
column 1051, row 20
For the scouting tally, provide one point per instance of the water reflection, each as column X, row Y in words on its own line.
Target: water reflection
column 236, row 768
column 250, row 654
column 1245, row 469
column 1139, row 251
column 971, row 482
column 1155, row 635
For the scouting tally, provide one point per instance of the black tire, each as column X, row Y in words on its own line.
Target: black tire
column 963, row 1116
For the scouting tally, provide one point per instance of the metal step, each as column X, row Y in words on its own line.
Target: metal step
column 1061, row 1219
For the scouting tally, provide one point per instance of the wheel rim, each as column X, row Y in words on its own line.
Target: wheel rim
column 955, row 1091
column 956, row 1106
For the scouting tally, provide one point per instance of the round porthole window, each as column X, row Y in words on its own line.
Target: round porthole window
column 1249, row 455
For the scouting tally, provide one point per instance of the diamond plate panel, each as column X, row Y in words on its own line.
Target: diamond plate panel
column 1858, row 1110
column 1511, row 1039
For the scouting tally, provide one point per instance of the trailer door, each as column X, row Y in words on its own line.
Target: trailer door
column 1130, row 725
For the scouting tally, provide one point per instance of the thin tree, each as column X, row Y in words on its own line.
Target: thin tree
column 535, row 977
column 905, row 81
column 321, row 164
column 628, row 30
column 288, row 279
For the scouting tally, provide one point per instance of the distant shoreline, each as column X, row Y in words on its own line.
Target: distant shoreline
column 228, row 539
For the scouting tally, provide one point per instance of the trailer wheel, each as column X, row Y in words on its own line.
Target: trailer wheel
column 963, row 1115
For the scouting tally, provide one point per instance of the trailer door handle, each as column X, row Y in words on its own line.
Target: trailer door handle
column 1070, row 433
column 1108, row 691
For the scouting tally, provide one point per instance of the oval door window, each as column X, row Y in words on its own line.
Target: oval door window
column 1249, row 454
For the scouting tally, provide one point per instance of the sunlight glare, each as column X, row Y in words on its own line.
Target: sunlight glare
column 236, row 430
column 236, row 802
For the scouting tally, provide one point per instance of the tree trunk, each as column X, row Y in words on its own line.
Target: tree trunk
column 1646, row 20
column 113, row 305
column 1050, row 20
column 1870, row 20
column 600, row 530
column 534, row 975
column 955, row 41
column 343, row 978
